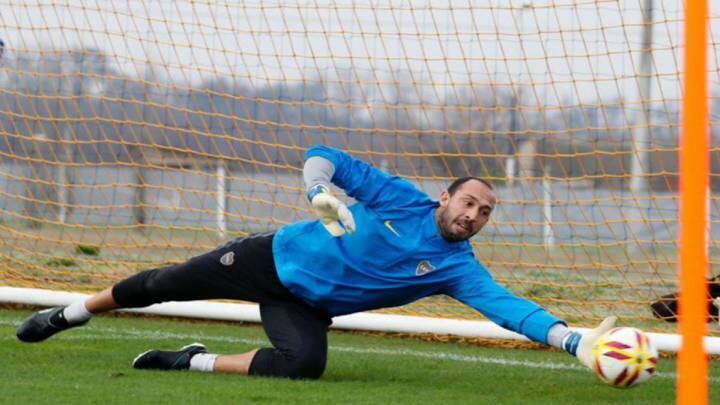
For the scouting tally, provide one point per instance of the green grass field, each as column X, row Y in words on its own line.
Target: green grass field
column 92, row 365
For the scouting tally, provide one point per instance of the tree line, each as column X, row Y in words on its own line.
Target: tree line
column 74, row 105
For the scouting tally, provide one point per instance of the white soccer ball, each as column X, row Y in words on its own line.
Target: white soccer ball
column 624, row 357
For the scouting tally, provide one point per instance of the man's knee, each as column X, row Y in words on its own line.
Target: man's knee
column 305, row 364
column 308, row 366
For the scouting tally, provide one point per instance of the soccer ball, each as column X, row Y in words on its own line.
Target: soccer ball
column 624, row 357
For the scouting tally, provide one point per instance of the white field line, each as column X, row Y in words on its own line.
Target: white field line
column 109, row 333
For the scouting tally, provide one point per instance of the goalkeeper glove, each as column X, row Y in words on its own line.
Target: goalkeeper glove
column 581, row 345
column 333, row 213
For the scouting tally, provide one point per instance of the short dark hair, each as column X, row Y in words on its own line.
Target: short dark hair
column 462, row 180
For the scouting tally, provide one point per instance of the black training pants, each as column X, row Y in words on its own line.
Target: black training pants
column 243, row 269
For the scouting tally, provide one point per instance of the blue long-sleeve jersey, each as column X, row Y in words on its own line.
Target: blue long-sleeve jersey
column 396, row 256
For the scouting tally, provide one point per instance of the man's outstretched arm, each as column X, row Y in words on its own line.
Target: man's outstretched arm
column 523, row 316
column 360, row 180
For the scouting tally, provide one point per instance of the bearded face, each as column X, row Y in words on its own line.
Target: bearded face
column 464, row 213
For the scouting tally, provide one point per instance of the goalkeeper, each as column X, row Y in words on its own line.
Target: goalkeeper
column 405, row 247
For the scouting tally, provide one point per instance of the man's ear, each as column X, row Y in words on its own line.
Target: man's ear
column 444, row 198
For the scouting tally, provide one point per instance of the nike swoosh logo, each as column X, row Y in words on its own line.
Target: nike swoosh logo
column 390, row 227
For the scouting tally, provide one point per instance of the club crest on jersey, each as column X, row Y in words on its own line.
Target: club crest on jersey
column 228, row 259
column 423, row 268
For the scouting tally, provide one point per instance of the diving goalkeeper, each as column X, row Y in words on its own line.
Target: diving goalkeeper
column 405, row 247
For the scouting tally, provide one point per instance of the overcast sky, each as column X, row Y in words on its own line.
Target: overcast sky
column 586, row 50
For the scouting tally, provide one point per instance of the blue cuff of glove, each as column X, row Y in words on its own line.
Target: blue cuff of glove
column 571, row 342
column 315, row 190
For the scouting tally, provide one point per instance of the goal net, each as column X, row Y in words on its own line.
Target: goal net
column 137, row 133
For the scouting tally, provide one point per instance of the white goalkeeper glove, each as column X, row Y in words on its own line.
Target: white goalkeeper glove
column 581, row 345
column 333, row 213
